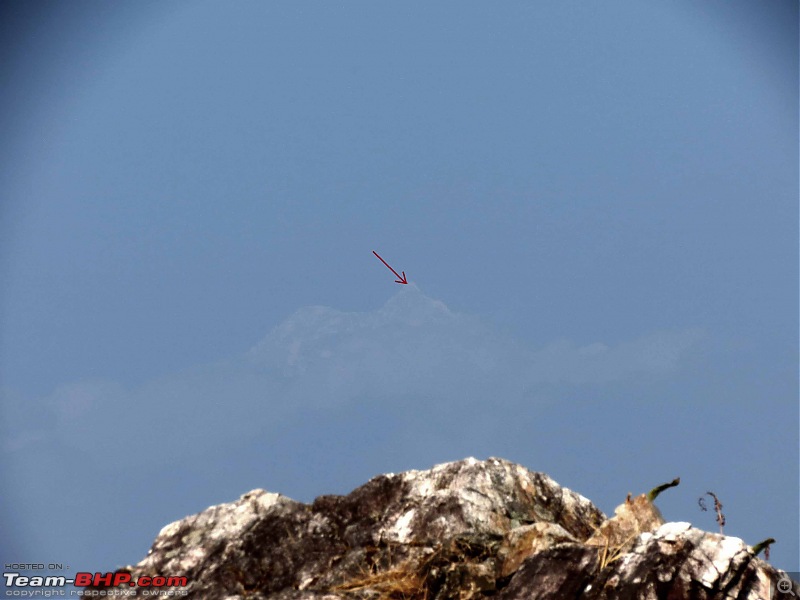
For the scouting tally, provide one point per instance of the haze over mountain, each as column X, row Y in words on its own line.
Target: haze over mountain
column 408, row 379
column 405, row 375
column 413, row 349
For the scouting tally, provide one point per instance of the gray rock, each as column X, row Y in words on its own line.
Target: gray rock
column 676, row 561
column 467, row 529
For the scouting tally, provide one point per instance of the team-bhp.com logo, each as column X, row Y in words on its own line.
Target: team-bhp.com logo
column 54, row 585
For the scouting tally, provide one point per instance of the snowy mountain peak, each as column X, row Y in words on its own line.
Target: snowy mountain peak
column 315, row 332
column 412, row 306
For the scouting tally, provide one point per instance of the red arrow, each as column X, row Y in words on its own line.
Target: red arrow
column 399, row 279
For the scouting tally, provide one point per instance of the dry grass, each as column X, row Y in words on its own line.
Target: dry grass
column 403, row 582
column 413, row 578
column 610, row 553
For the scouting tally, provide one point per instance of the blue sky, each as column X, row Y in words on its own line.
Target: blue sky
column 596, row 207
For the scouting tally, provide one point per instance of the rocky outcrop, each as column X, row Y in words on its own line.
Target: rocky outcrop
column 467, row 529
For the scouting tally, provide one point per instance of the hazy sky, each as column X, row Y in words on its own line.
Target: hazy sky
column 595, row 204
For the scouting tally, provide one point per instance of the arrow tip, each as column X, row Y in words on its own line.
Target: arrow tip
column 403, row 280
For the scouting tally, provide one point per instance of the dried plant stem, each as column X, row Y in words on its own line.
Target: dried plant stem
column 717, row 509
